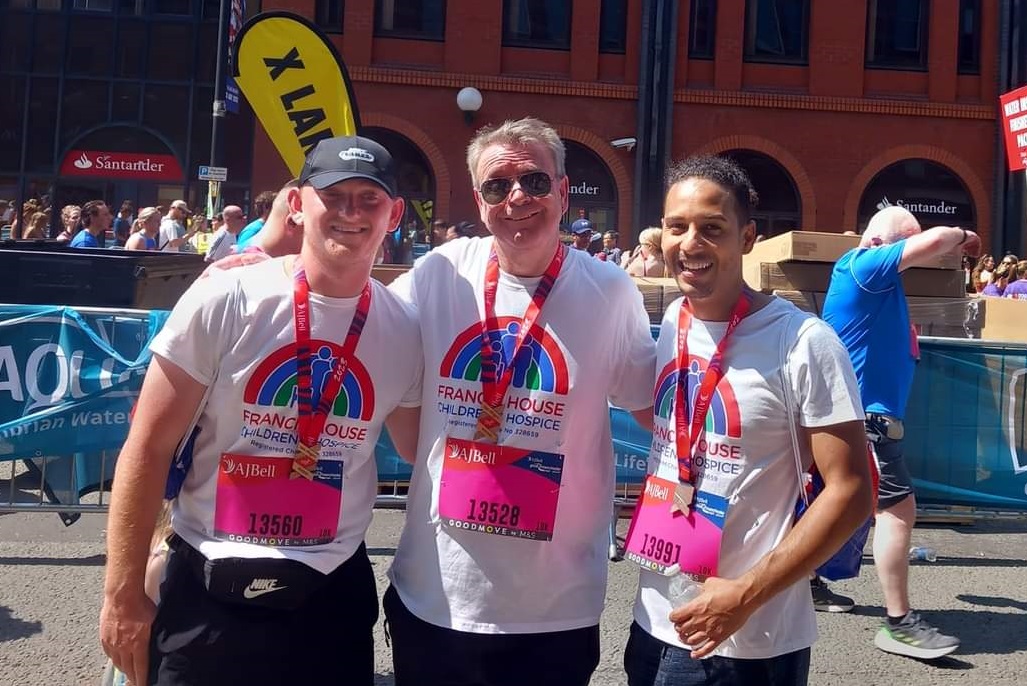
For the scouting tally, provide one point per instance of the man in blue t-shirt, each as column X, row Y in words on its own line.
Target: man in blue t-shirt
column 262, row 208
column 866, row 305
column 96, row 218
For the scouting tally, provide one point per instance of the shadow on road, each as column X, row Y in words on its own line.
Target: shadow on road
column 980, row 632
column 975, row 562
column 992, row 601
column 12, row 628
column 91, row 561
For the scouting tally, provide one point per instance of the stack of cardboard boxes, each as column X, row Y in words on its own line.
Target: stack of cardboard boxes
column 797, row 266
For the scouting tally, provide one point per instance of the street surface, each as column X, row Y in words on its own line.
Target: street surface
column 51, row 577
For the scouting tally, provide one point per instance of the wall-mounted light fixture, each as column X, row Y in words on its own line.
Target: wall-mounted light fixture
column 624, row 143
column 469, row 102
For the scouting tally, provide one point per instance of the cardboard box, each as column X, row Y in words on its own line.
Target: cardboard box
column 657, row 294
column 387, row 273
column 947, row 317
column 803, row 246
column 1005, row 319
column 804, row 300
column 816, row 276
column 816, row 246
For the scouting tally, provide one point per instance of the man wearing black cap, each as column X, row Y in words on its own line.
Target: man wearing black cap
column 288, row 370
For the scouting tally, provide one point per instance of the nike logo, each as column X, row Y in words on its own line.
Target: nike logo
column 259, row 587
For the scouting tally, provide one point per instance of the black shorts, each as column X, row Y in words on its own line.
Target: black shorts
column 200, row 640
column 424, row 654
column 896, row 484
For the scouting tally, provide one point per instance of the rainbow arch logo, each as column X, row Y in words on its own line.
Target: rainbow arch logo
column 540, row 364
column 723, row 418
column 273, row 383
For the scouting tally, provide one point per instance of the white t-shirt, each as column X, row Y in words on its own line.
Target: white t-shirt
column 746, row 455
column 235, row 329
column 596, row 347
column 222, row 244
column 169, row 231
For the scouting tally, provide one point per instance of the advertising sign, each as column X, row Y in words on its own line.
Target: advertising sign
column 121, row 165
column 296, row 83
column 1013, row 109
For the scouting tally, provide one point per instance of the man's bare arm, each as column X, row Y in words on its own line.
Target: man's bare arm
column 167, row 404
column 403, row 425
column 846, row 501
column 932, row 243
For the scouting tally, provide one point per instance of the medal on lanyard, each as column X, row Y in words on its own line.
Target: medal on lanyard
column 311, row 420
column 687, row 437
column 490, row 418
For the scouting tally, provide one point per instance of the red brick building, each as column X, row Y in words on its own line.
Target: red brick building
column 835, row 108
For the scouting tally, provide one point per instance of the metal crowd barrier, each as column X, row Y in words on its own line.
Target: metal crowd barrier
column 28, row 486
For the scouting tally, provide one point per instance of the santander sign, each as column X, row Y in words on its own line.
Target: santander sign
column 121, row 165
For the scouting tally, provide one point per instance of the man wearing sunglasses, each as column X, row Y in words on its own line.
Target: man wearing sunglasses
column 503, row 558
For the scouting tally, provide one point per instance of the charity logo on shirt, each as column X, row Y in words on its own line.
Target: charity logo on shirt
column 539, row 370
column 270, row 399
column 718, row 451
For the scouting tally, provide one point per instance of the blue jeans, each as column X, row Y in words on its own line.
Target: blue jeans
column 651, row 662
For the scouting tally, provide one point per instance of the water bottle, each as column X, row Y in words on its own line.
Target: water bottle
column 683, row 588
column 918, row 554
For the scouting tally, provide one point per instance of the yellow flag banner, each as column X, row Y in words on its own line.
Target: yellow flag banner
column 296, row 83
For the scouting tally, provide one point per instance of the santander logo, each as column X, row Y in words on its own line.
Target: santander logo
column 121, row 165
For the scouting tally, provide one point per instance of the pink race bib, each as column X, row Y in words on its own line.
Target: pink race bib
column 258, row 503
column 500, row 490
column 658, row 539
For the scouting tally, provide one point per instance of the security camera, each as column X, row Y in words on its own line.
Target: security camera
column 624, row 143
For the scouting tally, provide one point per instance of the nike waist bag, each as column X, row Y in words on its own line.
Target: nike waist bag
column 262, row 582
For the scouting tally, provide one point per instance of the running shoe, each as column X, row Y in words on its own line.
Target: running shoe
column 913, row 637
column 826, row 600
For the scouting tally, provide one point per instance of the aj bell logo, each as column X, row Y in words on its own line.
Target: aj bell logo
column 248, row 470
column 83, row 162
column 356, row 154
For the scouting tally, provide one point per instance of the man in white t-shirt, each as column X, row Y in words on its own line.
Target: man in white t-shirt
column 724, row 596
column 222, row 243
column 290, row 368
column 500, row 574
column 173, row 236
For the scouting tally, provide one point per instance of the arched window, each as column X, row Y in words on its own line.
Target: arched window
column 593, row 192
column 780, row 207
column 414, row 176
column 931, row 191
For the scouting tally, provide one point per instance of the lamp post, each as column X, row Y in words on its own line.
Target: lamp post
column 469, row 102
column 219, row 109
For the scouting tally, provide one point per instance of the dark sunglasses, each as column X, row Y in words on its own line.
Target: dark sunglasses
column 536, row 184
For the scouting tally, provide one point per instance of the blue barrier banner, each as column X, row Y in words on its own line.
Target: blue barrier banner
column 966, row 424
column 966, row 427
column 69, row 377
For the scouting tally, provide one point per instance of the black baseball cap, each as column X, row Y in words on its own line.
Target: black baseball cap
column 348, row 157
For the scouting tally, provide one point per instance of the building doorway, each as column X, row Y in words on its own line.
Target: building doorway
column 593, row 192
column 780, row 207
column 932, row 192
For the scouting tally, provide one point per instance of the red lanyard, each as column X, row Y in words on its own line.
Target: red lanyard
column 311, row 420
column 685, row 437
column 491, row 416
